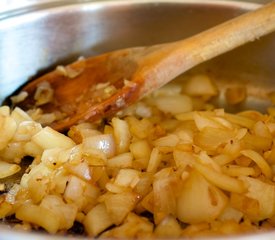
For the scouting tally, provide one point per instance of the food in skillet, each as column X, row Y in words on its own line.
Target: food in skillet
column 172, row 165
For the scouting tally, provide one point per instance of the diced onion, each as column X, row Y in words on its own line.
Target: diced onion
column 174, row 104
column 104, row 143
column 8, row 169
column 171, row 165
column 259, row 160
column 49, row 138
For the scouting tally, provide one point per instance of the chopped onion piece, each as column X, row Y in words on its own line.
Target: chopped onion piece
column 103, row 143
column 8, row 169
column 235, row 95
column 200, row 85
column 49, row 138
column 259, row 160
column 43, row 94
column 174, row 104
column 19, row 98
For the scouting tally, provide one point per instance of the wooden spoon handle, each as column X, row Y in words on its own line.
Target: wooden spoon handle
column 170, row 60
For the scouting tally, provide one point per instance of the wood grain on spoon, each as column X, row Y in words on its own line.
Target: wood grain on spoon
column 138, row 71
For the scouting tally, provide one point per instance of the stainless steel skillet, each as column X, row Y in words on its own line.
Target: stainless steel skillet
column 41, row 37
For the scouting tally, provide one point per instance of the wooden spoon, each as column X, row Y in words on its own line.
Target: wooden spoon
column 97, row 87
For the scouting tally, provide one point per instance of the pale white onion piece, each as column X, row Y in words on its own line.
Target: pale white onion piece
column 21, row 96
column 127, row 178
column 43, row 94
column 235, row 94
column 72, row 155
column 168, row 228
column 19, row 115
column 240, row 120
column 38, row 171
column 262, row 130
column 204, row 158
column 39, row 215
column 165, row 197
column 120, row 205
column 143, row 110
column 8, row 169
column 66, row 212
column 103, row 143
column 259, row 160
column 124, row 160
column 7, row 130
column 230, row 213
column 49, row 138
column 11, row 195
column 154, row 161
column 33, row 149
column 140, row 149
column 13, row 152
column 236, row 171
column 122, row 135
column 97, row 220
column 47, row 118
column 26, row 130
column 170, row 140
column 5, row 111
column 225, row 123
column 114, row 188
column 174, row 104
column 204, row 121
column 169, row 89
column 264, row 193
column 182, row 158
column 200, row 85
column 199, row 201
column 185, row 136
column 80, row 170
column 220, row 180
column 74, row 190
column 50, row 157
